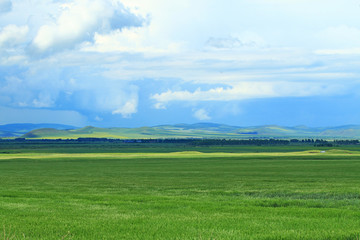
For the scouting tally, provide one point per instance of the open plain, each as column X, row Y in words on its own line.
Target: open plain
column 174, row 191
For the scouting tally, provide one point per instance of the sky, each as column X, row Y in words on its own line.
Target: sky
column 131, row 63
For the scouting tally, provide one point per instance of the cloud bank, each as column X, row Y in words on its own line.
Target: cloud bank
column 79, row 21
column 249, row 90
column 136, row 62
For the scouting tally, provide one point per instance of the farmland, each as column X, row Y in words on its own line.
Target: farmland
column 172, row 191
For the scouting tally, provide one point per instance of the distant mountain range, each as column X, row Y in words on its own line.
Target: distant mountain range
column 198, row 130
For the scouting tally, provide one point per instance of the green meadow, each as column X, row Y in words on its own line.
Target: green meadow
column 160, row 191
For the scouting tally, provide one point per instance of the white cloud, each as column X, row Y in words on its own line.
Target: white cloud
column 104, row 96
column 5, row 6
column 244, row 40
column 129, row 108
column 159, row 105
column 249, row 90
column 12, row 35
column 22, row 92
column 50, row 83
column 202, row 115
column 79, row 21
column 98, row 119
column 135, row 40
column 44, row 100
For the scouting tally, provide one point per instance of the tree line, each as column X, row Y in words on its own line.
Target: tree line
column 197, row 141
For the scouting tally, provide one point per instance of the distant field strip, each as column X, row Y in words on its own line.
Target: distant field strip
column 185, row 154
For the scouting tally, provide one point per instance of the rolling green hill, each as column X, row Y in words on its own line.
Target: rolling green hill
column 18, row 129
column 198, row 130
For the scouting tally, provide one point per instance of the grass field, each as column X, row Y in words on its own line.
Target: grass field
column 57, row 192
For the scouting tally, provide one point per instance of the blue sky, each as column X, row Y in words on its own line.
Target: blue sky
column 127, row 63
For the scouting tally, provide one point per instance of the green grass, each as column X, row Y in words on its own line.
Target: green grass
column 164, row 194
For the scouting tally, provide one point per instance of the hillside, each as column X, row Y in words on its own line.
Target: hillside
column 18, row 129
column 199, row 130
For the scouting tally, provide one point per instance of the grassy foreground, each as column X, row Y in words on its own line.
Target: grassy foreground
column 184, row 195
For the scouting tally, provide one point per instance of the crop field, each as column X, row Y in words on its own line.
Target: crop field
column 178, row 192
